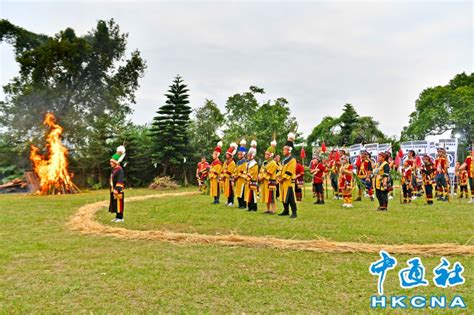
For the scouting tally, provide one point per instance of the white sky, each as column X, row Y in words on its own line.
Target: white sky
column 319, row 55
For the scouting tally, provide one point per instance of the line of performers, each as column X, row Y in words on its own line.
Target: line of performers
column 364, row 174
column 425, row 175
column 284, row 180
column 244, row 179
column 249, row 183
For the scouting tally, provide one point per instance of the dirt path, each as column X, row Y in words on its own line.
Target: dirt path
column 83, row 221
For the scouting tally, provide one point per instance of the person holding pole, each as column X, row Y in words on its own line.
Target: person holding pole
column 318, row 170
column 468, row 165
column 287, row 179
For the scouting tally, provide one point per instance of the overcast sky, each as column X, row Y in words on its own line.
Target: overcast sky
column 319, row 55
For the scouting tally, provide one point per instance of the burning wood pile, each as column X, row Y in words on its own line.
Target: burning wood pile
column 51, row 168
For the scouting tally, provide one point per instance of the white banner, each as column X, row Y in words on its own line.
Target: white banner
column 432, row 150
column 373, row 149
column 354, row 151
column 384, row 147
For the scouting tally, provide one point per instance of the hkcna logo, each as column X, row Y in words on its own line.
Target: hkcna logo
column 414, row 276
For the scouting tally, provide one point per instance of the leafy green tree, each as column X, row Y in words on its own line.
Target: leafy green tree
column 273, row 119
column 9, row 166
column 327, row 130
column 240, row 109
column 86, row 81
column 139, row 167
column 443, row 108
column 246, row 117
column 347, row 129
column 206, row 121
column 170, row 129
column 366, row 131
column 348, row 121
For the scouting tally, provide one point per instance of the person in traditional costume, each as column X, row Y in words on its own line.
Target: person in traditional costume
column 215, row 172
column 468, row 166
column 346, row 181
column 251, row 185
column 463, row 183
column 342, row 153
column 121, row 153
column 240, row 176
column 364, row 173
column 228, row 172
column 427, row 173
column 116, row 183
column 299, row 185
column 267, row 178
column 277, row 160
column 202, row 173
column 382, row 180
column 318, row 169
column 334, row 165
column 441, row 166
column 408, row 168
column 287, row 179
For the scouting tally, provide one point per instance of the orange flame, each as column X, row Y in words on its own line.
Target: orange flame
column 52, row 168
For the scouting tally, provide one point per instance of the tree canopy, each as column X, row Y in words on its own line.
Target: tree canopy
column 246, row 117
column 443, row 108
column 347, row 129
column 169, row 131
column 87, row 81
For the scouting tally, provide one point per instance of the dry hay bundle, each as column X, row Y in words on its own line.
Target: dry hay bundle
column 163, row 183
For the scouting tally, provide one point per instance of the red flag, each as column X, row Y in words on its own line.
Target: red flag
column 323, row 147
column 397, row 160
column 302, row 154
column 400, row 153
column 418, row 161
column 337, row 156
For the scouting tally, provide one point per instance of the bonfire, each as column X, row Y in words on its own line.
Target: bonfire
column 52, row 167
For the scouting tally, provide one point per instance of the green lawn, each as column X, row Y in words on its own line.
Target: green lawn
column 45, row 268
column 412, row 223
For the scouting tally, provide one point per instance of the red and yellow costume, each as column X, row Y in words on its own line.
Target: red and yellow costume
column 251, row 183
column 227, row 173
column 463, row 183
column 427, row 173
column 202, row 172
column 441, row 166
column 470, row 173
column 345, row 182
column 364, row 170
column 267, row 177
column 299, row 185
column 318, row 170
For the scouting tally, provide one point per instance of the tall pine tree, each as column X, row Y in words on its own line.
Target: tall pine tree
column 169, row 130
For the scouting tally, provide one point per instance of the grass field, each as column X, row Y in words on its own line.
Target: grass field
column 46, row 268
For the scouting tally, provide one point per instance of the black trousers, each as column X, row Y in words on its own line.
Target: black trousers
column 429, row 194
column 382, row 197
column 290, row 202
column 117, row 205
column 252, row 204
column 318, row 188
column 230, row 199
column 407, row 192
column 241, row 200
column 334, row 184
